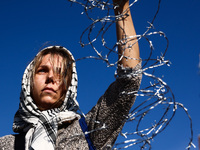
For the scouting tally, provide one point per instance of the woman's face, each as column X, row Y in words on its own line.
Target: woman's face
column 47, row 89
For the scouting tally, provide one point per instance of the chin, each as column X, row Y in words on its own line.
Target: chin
column 47, row 103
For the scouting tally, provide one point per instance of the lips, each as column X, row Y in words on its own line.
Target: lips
column 49, row 90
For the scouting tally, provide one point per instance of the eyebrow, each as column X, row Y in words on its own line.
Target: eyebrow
column 43, row 66
column 56, row 69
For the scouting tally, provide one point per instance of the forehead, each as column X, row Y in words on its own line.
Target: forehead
column 50, row 59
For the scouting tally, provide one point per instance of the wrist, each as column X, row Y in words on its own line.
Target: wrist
column 121, row 7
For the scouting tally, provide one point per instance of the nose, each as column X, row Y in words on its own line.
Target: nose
column 50, row 77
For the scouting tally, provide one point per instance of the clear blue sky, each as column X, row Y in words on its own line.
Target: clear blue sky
column 26, row 25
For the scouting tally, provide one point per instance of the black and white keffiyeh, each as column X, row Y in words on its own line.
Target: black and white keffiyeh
column 41, row 126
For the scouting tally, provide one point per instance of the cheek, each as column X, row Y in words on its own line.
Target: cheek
column 62, row 90
column 38, row 80
column 37, row 85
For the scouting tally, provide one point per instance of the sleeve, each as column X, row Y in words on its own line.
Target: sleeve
column 107, row 117
column 12, row 142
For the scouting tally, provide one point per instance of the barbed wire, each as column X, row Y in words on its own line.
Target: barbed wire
column 155, row 95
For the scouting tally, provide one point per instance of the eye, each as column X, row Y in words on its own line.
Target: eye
column 42, row 70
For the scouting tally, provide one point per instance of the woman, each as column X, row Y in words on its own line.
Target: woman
column 47, row 118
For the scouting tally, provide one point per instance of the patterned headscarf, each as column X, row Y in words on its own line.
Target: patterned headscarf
column 41, row 126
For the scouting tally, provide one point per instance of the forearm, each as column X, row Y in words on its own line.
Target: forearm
column 125, row 34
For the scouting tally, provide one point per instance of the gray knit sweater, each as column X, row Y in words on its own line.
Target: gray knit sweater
column 110, row 111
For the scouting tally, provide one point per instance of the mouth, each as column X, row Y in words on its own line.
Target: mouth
column 48, row 90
